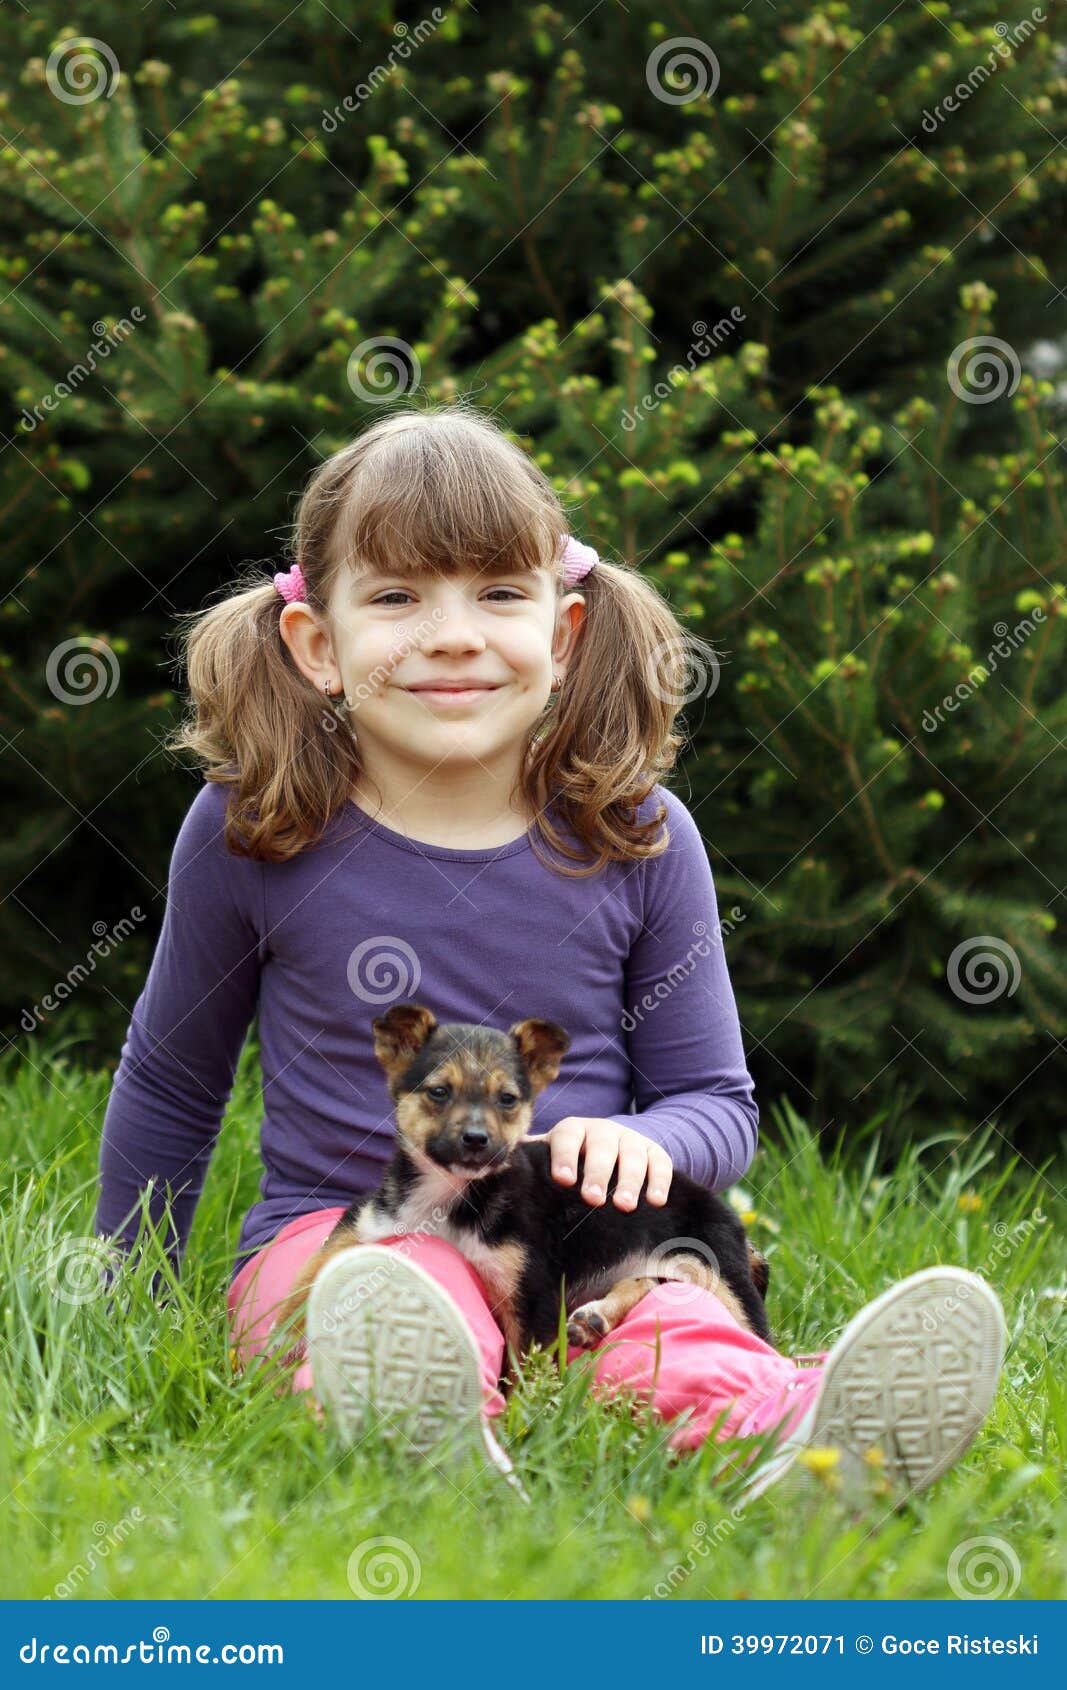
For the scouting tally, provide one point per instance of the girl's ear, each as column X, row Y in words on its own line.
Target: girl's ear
column 569, row 618
column 310, row 646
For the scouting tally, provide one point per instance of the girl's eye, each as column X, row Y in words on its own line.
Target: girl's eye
column 396, row 592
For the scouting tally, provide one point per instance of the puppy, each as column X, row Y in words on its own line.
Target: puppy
column 462, row 1169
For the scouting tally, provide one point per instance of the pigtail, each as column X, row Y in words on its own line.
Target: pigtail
column 259, row 726
column 610, row 736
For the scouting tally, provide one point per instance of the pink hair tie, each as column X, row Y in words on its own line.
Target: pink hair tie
column 578, row 560
column 290, row 583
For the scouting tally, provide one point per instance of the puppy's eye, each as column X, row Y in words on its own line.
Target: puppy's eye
column 439, row 1094
column 507, row 1100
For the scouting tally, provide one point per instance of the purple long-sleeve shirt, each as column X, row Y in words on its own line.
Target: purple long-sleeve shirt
column 630, row 961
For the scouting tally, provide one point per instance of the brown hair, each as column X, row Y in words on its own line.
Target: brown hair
column 437, row 490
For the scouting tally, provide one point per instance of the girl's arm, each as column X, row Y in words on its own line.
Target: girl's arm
column 186, row 1032
column 694, row 1095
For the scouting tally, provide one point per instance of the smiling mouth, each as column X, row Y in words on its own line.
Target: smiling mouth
column 452, row 695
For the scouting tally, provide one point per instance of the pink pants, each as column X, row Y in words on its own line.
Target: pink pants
column 708, row 1363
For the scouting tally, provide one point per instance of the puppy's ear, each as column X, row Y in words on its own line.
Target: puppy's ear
column 400, row 1033
column 760, row 1269
column 542, row 1046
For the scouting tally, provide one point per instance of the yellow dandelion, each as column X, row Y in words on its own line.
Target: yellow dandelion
column 969, row 1202
column 875, row 1456
column 749, row 1217
column 639, row 1508
column 820, row 1458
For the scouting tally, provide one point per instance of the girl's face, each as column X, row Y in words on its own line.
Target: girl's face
column 507, row 633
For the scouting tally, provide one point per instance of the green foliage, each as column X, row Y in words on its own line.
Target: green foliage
column 723, row 324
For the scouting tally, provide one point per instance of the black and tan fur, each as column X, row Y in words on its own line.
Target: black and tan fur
column 463, row 1169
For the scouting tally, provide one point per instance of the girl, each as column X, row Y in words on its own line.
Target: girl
column 480, row 825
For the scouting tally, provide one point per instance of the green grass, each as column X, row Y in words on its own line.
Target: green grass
column 134, row 1465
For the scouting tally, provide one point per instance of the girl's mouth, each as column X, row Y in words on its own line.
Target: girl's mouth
column 452, row 695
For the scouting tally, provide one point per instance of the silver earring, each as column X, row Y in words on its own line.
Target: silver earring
column 557, row 682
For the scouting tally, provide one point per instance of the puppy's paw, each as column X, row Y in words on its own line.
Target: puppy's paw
column 587, row 1326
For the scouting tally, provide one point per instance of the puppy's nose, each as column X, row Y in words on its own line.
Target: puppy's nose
column 474, row 1138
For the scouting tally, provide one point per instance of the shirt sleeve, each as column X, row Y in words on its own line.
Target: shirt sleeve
column 187, row 1029
column 693, row 1093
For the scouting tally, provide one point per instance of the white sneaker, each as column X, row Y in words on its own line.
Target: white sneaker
column 906, row 1387
column 384, row 1338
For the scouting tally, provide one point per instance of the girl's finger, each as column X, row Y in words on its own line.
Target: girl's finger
column 565, row 1141
column 601, row 1151
column 660, row 1170
column 633, row 1162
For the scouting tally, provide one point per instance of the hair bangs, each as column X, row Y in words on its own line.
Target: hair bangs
column 445, row 501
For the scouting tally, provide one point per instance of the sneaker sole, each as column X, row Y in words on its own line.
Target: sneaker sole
column 387, row 1345
column 913, row 1375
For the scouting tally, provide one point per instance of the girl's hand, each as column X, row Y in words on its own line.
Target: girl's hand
column 605, row 1144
